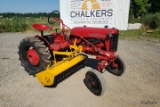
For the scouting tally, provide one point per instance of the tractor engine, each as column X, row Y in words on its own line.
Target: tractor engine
column 103, row 38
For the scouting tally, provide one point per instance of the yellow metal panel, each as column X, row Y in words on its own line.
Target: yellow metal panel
column 47, row 76
column 66, row 65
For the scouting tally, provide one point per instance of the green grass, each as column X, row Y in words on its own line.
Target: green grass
column 20, row 24
column 137, row 34
column 14, row 24
column 130, row 34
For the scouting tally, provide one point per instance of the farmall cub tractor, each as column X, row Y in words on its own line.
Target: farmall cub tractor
column 52, row 58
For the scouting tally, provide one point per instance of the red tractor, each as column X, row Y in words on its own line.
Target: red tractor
column 52, row 58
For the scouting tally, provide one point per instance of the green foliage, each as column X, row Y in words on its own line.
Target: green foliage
column 155, row 6
column 31, row 15
column 132, row 19
column 21, row 24
column 152, row 21
column 139, row 7
column 14, row 24
column 18, row 22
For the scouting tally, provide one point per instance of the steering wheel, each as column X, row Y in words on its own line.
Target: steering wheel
column 53, row 16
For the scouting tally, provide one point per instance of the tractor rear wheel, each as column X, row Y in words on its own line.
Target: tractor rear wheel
column 34, row 55
column 119, row 70
column 95, row 82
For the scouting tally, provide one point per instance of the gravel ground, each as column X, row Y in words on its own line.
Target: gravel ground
column 138, row 87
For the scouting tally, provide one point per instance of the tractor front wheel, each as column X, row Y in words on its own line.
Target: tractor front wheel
column 34, row 55
column 117, row 67
column 95, row 82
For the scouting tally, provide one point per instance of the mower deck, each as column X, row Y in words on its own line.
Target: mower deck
column 47, row 77
column 62, row 62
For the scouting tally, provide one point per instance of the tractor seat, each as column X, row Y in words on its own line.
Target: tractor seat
column 41, row 27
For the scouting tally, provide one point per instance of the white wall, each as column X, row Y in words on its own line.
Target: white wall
column 113, row 13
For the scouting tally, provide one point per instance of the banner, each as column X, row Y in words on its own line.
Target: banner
column 95, row 13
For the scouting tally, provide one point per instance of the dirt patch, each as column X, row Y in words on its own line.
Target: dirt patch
column 138, row 87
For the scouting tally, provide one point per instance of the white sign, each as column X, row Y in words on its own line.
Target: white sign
column 95, row 13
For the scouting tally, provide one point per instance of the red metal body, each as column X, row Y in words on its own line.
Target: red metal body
column 101, row 42
column 96, row 41
column 41, row 27
column 59, row 39
column 91, row 32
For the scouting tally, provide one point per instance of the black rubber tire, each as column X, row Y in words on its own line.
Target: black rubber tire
column 40, row 48
column 95, row 76
column 115, row 71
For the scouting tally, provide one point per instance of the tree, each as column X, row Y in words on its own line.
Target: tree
column 140, row 7
column 155, row 6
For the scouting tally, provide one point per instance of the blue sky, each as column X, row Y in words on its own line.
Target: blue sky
column 26, row 6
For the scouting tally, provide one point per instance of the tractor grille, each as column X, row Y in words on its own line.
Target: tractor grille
column 113, row 42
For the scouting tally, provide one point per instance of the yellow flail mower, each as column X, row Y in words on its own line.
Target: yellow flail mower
column 54, row 57
column 62, row 62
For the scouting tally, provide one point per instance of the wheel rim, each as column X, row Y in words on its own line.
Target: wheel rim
column 33, row 57
column 116, row 66
column 94, row 84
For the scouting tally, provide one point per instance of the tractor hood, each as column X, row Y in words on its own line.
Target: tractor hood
column 91, row 32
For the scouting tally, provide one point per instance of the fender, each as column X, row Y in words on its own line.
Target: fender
column 43, row 39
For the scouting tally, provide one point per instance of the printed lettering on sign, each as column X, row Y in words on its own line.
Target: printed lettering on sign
column 91, row 11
